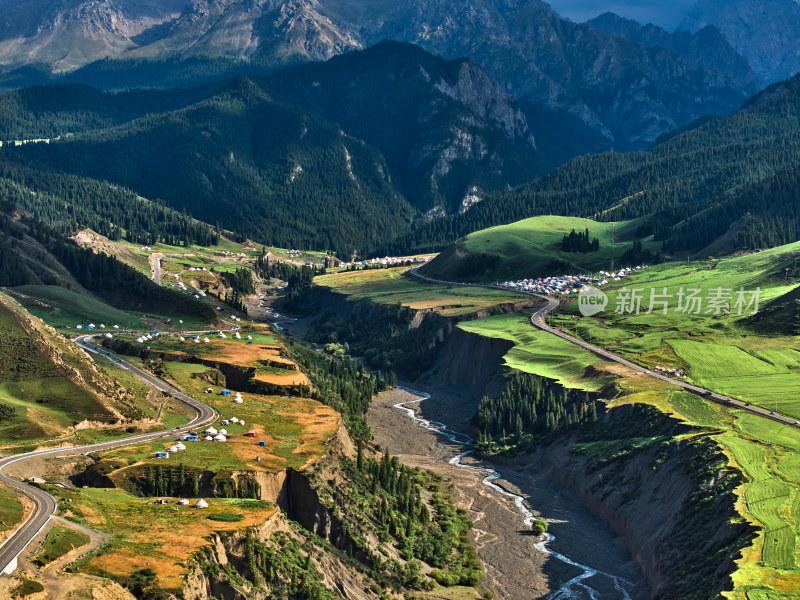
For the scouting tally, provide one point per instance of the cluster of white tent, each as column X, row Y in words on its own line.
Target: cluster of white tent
column 387, row 261
column 567, row 284
column 184, row 502
column 197, row 268
column 239, row 254
column 144, row 338
column 237, row 398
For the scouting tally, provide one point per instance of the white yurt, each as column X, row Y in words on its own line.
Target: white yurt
column 220, row 438
column 180, row 446
column 183, row 502
column 206, row 340
column 225, row 422
column 223, row 432
column 238, row 395
column 211, row 431
column 208, row 438
column 234, row 419
column 196, row 340
column 181, row 339
column 249, row 337
column 238, row 400
column 201, row 504
column 173, row 448
column 241, row 422
column 237, row 335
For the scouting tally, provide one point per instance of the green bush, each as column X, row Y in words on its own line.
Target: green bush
column 226, row 516
column 539, row 527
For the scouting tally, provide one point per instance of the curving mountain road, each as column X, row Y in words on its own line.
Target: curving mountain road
column 45, row 504
column 538, row 321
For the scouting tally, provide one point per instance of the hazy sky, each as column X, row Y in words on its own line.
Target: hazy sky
column 666, row 14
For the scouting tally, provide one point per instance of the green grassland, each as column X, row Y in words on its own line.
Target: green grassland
column 61, row 307
column 395, row 286
column 147, row 535
column 538, row 352
column 38, row 396
column 10, row 510
column 59, row 541
column 719, row 351
column 295, row 430
column 532, row 247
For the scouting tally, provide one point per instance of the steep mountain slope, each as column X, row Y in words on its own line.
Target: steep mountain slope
column 622, row 92
column 344, row 156
column 693, row 185
column 243, row 160
column 581, row 89
column 71, row 33
column 448, row 132
column 708, row 46
column 765, row 32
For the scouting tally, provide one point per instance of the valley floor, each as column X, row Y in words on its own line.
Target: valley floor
column 514, row 568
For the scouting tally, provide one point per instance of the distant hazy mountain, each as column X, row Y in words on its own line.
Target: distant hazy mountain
column 766, row 32
column 580, row 88
column 708, row 46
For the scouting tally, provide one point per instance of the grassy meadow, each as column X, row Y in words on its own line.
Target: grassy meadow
column 531, row 247
column 148, row 535
column 718, row 351
column 61, row 307
column 395, row 286
column 59, row 541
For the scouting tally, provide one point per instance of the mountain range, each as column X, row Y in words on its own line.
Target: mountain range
column 335, row 155
column 580, row 88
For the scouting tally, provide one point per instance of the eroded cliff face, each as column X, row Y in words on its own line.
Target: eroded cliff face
column 224, row 569
column 667, row 491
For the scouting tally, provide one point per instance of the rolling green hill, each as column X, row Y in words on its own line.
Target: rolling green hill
column 533, row 247
column 689, row 188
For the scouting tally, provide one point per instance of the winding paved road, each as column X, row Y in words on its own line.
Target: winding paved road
column 45, row 504
column 538, row 321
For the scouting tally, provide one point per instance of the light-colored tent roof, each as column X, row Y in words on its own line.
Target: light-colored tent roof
column 238, row 400
column 220, row 438
column 206, row 340
column 211, row 431
column 234, row 419
column 208, row 438
column 223, row 432
column 183, row 501
column 173, row 448
column 180, row 446
column 201, row 504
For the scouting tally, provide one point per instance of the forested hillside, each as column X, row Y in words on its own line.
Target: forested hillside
column 449, row 133
column 692, row 186
column 32, row 253
column 343, row 157
column 264, row 169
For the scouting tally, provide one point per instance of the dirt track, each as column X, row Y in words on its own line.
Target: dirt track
column 515, row 570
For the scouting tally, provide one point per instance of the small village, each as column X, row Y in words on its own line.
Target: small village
column 561, row 285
